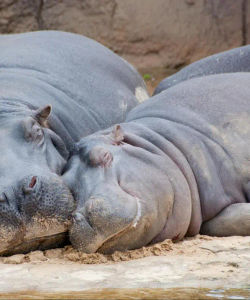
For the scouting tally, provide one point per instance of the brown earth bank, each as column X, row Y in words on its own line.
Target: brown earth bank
column 149, row 33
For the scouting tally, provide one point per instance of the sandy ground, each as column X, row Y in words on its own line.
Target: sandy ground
column 199, row 262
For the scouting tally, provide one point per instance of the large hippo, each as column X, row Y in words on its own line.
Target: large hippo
column 178, row 165
column 235, row 60
column 89, row 87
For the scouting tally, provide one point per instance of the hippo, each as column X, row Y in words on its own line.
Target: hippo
column 179, row 165
column 89, row 88
column 235, row 60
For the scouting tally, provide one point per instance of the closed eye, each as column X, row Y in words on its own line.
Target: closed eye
column 37, row 135
column 58, row 143
column 33, row 132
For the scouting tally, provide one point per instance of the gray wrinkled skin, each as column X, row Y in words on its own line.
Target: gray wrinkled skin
column 235, row 60
column 89, row 88
column 179, row 165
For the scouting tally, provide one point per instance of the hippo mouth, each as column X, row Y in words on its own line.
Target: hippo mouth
column 105, row 246
column 39, row 237
column 102, row 222
column 38, row 243
column 41, row 217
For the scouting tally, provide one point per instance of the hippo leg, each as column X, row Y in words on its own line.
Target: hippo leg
column 233, row 220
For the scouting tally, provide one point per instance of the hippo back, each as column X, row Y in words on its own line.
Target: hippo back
column 88, row 85
column 235, row 60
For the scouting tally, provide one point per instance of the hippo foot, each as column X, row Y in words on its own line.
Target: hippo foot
column 233, row 220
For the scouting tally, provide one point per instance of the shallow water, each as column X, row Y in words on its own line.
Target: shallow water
column 122, row 294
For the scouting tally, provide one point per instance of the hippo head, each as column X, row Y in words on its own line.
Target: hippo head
column 119, row 206
column 34, row 202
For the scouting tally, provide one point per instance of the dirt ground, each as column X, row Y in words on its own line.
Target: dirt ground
column 199, row 262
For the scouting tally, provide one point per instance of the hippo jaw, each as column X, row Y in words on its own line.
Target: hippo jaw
column 96, row 241
column 107, row 245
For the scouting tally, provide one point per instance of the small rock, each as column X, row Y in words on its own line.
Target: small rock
column 14, row 259
column 54, row 253
column 36, row 256
column 233, row 264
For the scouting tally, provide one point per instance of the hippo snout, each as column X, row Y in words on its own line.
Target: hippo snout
column 100, row 220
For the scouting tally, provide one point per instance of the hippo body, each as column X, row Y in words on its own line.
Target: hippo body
column 235, row 60
column 89, row 88
column 179, row 165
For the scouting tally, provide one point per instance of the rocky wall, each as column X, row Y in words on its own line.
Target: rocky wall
column 149, row 33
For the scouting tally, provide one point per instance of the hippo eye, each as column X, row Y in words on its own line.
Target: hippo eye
column 37, row 134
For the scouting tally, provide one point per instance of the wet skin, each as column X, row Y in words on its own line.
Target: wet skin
column 178, row 166
column 90, row 88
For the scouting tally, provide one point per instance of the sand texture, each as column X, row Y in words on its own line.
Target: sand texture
column 199, row 262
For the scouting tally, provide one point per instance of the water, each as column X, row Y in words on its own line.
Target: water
column 122, row 294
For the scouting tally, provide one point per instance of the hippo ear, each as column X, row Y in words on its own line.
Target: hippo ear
column 42, row 114
column 117, row 135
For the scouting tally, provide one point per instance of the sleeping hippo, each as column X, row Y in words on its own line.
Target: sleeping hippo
column 178, row 165
column 235, row 60
column 89, row 88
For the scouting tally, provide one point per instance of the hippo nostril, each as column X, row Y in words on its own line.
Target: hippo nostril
column 32, row 182
column 29, row 187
